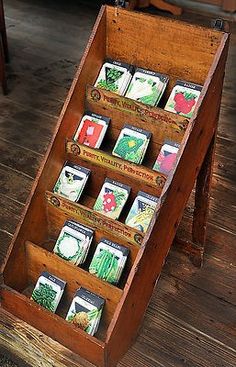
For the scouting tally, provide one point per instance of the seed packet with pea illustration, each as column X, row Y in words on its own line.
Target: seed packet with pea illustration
column 48, row 291
column 109, row 260
column 147, row 86
column 142, row 210
column 71, row 181
column 86, row 310
column 167, row 157
column 112, row 198
column 132, row 144
column 183, row 98
column 73, row 242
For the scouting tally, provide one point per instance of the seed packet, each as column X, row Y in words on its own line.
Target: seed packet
column 142, row 210
column 92, row 129
column 73, row 242
column 48, row 291
column 132, row 144
column 86, row 310
column 147, row 86
column 166, row 158
column 112, row 198
column 71, row 181
column 108, row 261
column 114, row 76
column 183, row 98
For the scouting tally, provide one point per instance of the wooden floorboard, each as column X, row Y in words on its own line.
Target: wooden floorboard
column 190, row 321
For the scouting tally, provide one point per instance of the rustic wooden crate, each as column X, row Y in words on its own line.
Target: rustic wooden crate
column 182, row 51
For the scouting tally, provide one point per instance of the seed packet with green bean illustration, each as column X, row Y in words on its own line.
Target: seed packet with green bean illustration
column 142, row 211
column 71, row 181
column 114, row 76
column 48, row 291
column 109, row 260
column 86, row 310
column 132, row 143
column 112, row 198
column 183, row 98
column 147, row 86
column 73, row 242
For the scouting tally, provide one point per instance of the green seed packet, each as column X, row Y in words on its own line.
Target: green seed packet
column 142, row 210
column 48, row 291
column 112, row 198
column 132, row 144
column 86, row 310
column 73, row 242
column 71, row 181
column 109, row 260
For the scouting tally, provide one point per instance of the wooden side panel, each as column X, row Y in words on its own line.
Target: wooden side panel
column 152, row 257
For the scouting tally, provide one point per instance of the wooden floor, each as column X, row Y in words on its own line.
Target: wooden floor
column 191, row 320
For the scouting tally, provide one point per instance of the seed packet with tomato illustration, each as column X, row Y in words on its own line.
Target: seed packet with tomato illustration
column 114, row 76
column 167, row 157
column 147, row 86
column 183, row 98
column 142, row 210
column 132, row 143
column 112, row 198
column 92, row 129
column 71, row 181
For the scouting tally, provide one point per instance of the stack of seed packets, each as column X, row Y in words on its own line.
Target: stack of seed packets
column 86, row 310
column 112, row 198
column 73, row 242
column 132, row 143
column 142, row 210
column 48, row 291
column 92, row 129
column 147, row 86
column 167, row 157
column 114, row 76
column 71, row 181
column 108, row 261
column 183, row 98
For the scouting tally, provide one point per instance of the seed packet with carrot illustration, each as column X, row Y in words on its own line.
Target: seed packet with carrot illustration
column 183, row 98
column 112, row 198
column 167, row 157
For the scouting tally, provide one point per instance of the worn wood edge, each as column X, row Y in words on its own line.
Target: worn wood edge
column 190, row 249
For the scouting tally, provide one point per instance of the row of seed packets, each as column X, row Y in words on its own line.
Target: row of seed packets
column 86, row 307
column 148, row 86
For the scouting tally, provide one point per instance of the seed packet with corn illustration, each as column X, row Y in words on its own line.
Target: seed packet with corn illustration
column 92, row 129
column 142, row 210
column 183, row 98
column 112, row 198
column 132, row 144
column 109, row 260
column 73, row 242
column 114, row 76
column 167, row 157
column 86, row 310
column 48, row 291
column 71, row 181
column 147, row 86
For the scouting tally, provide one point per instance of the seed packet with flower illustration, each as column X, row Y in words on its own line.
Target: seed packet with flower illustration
column 71, row 181
column 132, row 143
column 142, row 210
column 114, row 76
column 108, row 261
column 73, row 242
column 112, row 198
column 147, row 86
column 86, row 310
column 48, row 291
column 92, row 129
column 183, row 98
column 167, row 157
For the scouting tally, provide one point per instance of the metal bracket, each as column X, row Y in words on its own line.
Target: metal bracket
column 120, row 3
column 218, row 24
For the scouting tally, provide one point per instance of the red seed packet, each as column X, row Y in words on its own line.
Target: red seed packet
column 167, row 157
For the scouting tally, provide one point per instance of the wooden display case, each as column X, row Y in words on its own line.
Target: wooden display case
column 182, row 51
